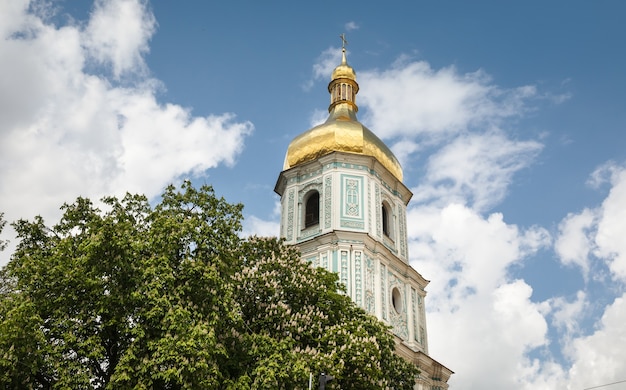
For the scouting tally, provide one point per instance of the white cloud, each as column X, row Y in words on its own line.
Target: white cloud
column 598, row 234
column 567, row 314
column 475, row 309
column 351, row 26
column 68, row 131
column 318, row 117
column 475, row 168
column 412, row 99
column 599, row 358
column 118, row 33
column 573, row 244
column 254, row 226
column 610, row 241
column 324, row 65
column 603, row 174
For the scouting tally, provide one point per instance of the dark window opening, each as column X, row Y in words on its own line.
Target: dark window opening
column 385, row 221
column 396, row 300
column 312, row 210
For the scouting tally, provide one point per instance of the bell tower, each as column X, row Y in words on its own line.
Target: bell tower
column 343, row 203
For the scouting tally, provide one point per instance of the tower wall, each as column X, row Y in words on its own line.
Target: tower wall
column 351, row 239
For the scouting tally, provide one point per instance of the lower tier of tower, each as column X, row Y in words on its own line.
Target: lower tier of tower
column 385, row 287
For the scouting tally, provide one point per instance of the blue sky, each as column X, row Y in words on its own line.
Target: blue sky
column 509, row 120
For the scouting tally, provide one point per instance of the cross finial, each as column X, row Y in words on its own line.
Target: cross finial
column 344, row 42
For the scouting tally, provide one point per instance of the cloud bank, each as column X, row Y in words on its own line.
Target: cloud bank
column 81, row 114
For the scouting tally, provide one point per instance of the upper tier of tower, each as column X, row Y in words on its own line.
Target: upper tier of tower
column 342, row 132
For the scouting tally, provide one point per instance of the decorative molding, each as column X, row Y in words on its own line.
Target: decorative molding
column 304, row 189
column 352, row 224
column 358, row 285
column 352, row 197
column 370, row 302
column 383, row 289
column 290, row 206
column 402, row 233
column 390, row 244
column 414, row 313
column 344, row 270
column 379, row 229
column 369, row 205
column 353, row 205
column 358, row 167
column 308, row 233
column 306, row 176
column 328, row 182
column 397, row 320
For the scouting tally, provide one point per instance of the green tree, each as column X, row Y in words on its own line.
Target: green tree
column 298, row 320
column 170, row 297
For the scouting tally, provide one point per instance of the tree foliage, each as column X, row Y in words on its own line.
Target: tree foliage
column 170, row 297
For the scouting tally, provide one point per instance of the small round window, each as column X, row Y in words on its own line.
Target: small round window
column 396, row 300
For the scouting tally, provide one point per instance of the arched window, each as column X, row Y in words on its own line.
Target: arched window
column 312, row 209
column 386, row 216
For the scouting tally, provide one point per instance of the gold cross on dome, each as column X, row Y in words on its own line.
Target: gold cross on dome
column 344, row 42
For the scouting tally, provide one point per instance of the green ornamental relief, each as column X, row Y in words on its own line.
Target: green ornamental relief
column 290, row 212
column 398, row 310
column 370, row 303
column 358, row 285
column 328, row 183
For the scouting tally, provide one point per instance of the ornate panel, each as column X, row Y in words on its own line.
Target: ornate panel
column 328, row 182
column 352, row 224
column 369, row 206
column 344, row 270
column 290, row 213
column 402, row 233
column 325, row 261
column 379, row 229
column 414, row 313
column 420, row 309
column 370, row 302
column 358, row 283
column 398, row 320
column 383, row 289
column 309, row 232
column 352, row 197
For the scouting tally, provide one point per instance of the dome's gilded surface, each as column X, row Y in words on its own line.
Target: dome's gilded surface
column 341, row 132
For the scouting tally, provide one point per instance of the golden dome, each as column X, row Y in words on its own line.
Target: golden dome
column 341, row 132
